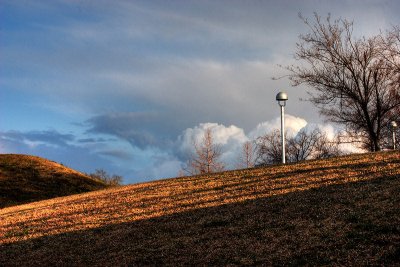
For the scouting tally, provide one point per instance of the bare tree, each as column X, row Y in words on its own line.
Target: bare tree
column 268, row 148
column 206, row 156
column 247, row 157
column 354, row 84
column 302, row 146
column 326, row 148
column 102, row 175
column 313, row 144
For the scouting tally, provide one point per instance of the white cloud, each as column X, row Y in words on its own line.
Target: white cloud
column 231, row 138
column 292, row 125
column 226, row 137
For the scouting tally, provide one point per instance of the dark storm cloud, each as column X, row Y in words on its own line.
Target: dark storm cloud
column 50, row 137
column 117, row 154
column 205, row 61
column 140, row 129
column 93, row 140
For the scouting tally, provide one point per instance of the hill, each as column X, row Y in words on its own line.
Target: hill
column 340, row 211
column 26, row 178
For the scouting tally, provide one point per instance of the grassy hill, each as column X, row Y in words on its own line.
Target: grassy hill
column 341, row 211
column 28, row 178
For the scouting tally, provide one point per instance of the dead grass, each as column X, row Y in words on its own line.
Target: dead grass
column 26, row 178
column 342, row 211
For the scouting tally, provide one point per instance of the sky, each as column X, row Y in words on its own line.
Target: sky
column 126, row 86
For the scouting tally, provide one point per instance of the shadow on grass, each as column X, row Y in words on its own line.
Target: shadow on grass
column 348, row 224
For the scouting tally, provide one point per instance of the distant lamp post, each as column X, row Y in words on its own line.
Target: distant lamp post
column 282, row 97
column 393, row 126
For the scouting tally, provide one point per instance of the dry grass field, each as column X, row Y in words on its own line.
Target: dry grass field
column 340, row 211
column 26, row 178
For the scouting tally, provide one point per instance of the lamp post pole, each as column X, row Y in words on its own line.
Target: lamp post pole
column 283, row 134
column 393, row 125
column 282, row 97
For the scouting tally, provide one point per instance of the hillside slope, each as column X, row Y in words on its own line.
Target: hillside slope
column 341, row 211
column 26, row 178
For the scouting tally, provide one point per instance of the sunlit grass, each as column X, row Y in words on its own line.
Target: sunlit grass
column 313, row 218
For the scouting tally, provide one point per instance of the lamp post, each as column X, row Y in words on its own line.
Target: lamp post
column 282, row 97
column 393, row 126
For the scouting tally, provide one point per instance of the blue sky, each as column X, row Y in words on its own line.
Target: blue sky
column 125, row 85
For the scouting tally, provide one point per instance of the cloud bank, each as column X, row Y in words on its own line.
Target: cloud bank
column 123, row 148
